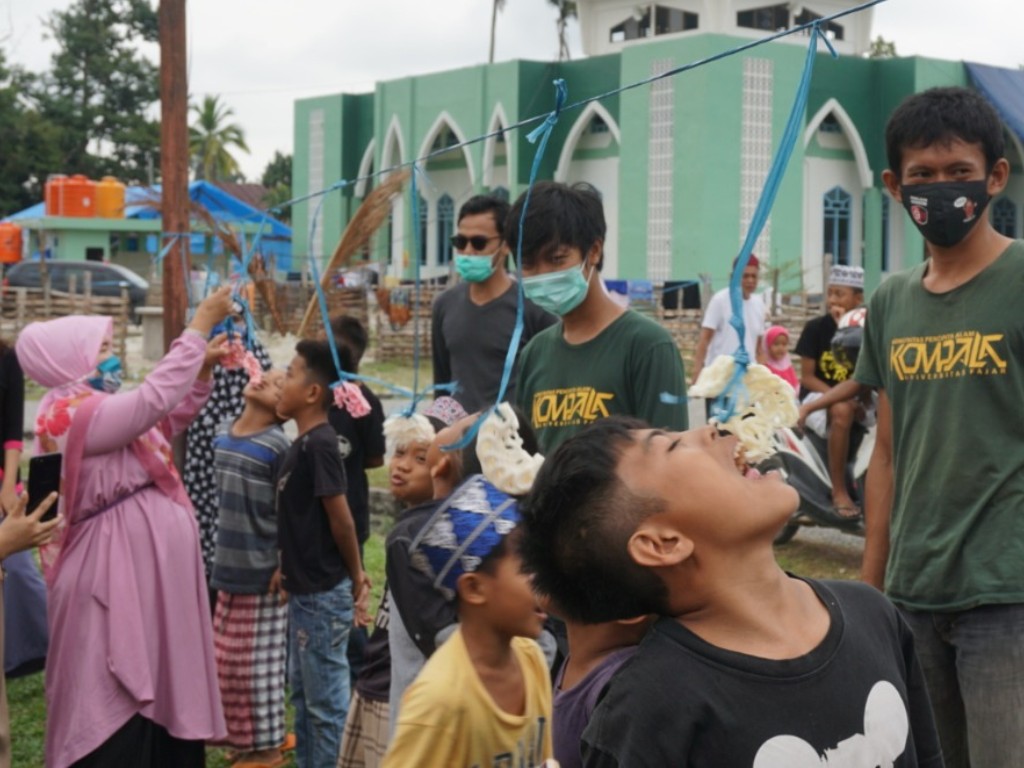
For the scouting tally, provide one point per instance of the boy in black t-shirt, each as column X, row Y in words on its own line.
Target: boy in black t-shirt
column 361, row 444
column 820, row 371
column 320, row 563
column 749, row 666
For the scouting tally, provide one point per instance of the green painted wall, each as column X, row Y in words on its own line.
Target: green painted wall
column 708, row 112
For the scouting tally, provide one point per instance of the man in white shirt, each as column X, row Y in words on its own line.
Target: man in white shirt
column 717, row 337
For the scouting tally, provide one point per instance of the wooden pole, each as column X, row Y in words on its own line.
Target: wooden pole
column 174, row 162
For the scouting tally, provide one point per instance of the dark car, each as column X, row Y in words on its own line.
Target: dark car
column 107, row 279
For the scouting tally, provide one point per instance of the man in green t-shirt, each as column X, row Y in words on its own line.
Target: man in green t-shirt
column 944, row 344
column 600, row 360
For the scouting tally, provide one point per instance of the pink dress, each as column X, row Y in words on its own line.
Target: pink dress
column 128, row 612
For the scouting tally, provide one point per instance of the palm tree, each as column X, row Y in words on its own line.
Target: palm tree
column 211, row 138
column 567, row 9
column 496, row 5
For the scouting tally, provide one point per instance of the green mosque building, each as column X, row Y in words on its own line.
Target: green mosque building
column 680, row 163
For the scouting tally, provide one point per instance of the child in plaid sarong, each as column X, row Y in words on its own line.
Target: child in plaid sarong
column 251, row 619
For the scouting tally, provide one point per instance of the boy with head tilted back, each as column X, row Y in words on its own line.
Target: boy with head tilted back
column 748, row 666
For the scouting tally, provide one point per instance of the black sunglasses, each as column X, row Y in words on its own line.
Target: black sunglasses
column 479, row 242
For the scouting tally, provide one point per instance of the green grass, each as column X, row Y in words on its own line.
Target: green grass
column 818, row 560
column 27, row 702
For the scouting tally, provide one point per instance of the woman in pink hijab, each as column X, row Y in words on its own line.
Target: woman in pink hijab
column 130, row 677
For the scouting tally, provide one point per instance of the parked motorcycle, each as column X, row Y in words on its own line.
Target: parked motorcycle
column 802, row 459
column 802, row 456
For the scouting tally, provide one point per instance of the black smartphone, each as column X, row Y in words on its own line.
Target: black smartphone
column 43, row 479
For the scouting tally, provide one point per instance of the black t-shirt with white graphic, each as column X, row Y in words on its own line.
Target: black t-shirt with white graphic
column 310, row 471
column 815, row 343
column 858, row 699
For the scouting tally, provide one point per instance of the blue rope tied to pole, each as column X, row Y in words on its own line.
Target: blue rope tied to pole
column 538, row 136
column 725, row 405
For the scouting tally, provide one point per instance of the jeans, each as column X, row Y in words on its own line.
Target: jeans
column 318, row 629
column 973, row 664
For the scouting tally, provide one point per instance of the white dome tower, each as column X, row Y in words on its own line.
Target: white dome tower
column 608, row 25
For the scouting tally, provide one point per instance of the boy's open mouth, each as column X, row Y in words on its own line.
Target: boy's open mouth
column 740, row 459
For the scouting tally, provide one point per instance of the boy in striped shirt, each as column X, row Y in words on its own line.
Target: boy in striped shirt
column 250, row 623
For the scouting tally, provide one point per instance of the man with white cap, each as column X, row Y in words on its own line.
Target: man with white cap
column 820, row 371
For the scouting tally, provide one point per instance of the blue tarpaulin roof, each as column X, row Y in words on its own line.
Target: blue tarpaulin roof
column 221, row 205
column 275, row 239
column 1004, row 88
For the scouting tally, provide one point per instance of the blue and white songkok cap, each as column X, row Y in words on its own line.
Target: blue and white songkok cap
column 464, row 530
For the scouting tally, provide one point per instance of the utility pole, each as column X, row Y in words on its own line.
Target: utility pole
column 174, row 163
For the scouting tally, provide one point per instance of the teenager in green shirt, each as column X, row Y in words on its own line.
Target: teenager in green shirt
column 601, row 359
column 944, row 344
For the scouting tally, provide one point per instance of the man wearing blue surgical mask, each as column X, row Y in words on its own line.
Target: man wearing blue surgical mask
column 472, row 322
column 601, row 359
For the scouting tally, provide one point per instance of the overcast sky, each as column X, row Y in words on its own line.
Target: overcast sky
column 261, row 55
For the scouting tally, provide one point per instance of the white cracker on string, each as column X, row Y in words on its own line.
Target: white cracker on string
column 502, row 457
column 764, row 403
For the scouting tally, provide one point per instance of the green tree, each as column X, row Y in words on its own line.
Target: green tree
column 567, row 9
column 882, row 49
column 28, row 140
column 277, row 178
column 101, row 88
column 211, row 139
column 278, row 171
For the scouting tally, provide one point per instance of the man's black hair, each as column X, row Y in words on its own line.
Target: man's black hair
column 487, row 204
column 319, row 366
column 558, row 215
column 940, row 116
column 577, row 522
column 351, row 340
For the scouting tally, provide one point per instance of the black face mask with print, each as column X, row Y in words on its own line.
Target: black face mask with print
column 946, row 211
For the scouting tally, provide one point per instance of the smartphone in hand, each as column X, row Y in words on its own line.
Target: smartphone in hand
column 44, row 479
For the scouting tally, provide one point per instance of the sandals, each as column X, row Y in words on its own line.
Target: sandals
column 848, row 513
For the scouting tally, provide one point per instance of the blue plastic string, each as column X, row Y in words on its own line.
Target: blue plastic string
column 725, row 405
column 542, row 133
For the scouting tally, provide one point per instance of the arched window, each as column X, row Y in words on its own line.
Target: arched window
column 424, row 216
column 445, row 229
column 1004, row 217
column 837, row 207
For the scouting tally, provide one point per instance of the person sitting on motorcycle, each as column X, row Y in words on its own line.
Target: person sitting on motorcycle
column 820, row 372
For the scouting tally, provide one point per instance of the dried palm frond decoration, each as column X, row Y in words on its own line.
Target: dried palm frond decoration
column 371, row 215
column 263, row 282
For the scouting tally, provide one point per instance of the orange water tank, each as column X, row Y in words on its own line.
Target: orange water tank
column 77, row 197
column 10, row 243
column 110, row 198
column 51, row 192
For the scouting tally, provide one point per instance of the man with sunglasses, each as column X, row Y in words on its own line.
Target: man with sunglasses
column 473, row 321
